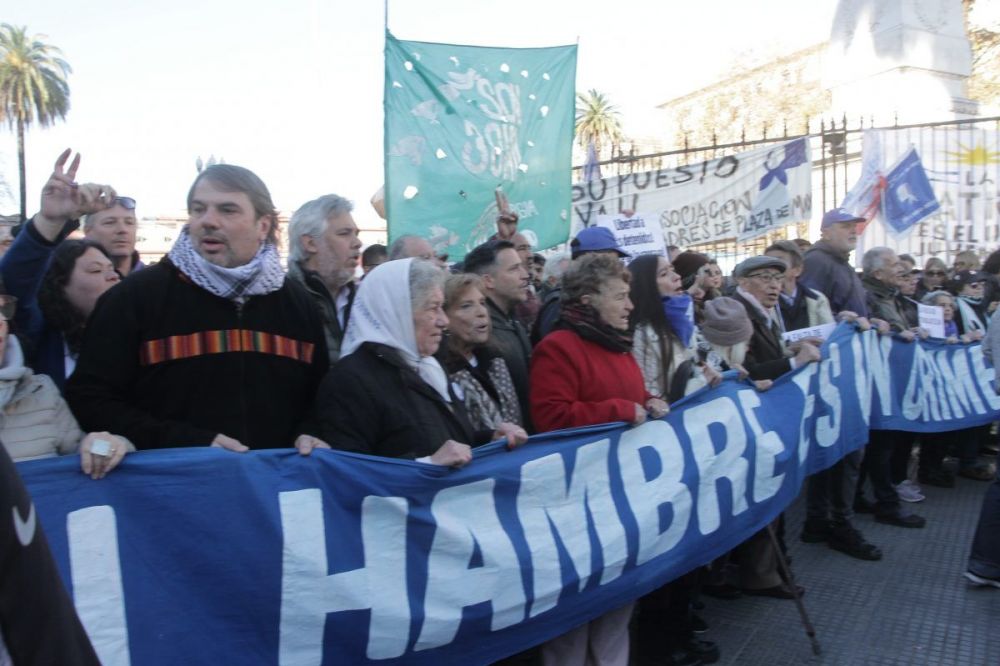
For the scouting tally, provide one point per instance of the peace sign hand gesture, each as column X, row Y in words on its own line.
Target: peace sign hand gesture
column 63, row 199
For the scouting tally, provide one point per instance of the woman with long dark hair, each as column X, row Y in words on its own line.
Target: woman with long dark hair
column 662, row 321
column 52, row 313
column 663, row 324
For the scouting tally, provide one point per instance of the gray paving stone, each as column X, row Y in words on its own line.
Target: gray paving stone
column 912, row 608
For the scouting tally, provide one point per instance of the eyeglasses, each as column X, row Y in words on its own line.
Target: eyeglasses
column 935, row 273
column 128, row 203
column 768, row 277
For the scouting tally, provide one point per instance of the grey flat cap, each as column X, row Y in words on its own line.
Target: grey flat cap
column 752, row 264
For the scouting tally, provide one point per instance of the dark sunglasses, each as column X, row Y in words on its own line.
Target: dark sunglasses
column 935, row 273
column 128, row 203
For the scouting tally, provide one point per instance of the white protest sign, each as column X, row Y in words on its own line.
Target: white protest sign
column 931, row 319
column 822, row 332
column 637, row 234
column 740, row 196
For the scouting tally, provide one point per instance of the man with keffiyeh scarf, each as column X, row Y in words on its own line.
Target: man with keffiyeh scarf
column 183, row 353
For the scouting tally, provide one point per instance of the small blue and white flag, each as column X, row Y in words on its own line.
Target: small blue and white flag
column 908, row 197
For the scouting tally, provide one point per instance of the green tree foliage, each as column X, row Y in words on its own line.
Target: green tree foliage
column 597, row 120
column 33, row 86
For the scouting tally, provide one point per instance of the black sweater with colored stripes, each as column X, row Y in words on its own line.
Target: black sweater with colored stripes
column 167, row 363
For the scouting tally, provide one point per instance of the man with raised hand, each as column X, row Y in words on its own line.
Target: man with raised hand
column 212, row 345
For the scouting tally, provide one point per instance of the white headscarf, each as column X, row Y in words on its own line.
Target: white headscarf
column 382, row 313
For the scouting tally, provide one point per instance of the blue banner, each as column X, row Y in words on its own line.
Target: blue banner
column 202, row 556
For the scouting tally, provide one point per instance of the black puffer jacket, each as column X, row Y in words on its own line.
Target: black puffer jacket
column 373, row 402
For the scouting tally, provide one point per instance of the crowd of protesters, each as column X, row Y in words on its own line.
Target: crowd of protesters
column 414, row 359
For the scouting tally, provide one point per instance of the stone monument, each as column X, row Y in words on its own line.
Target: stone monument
column 899, row 59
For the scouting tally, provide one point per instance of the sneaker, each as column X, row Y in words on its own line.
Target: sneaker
column 982, row 581
column 900, row 519
column 977, row 473
column 909, row 492
column 815, row 530
column 848, row 540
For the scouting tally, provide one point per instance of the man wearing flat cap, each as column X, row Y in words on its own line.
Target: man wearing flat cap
column 759, row 281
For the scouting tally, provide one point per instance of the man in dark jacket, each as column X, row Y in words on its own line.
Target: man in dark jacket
column 505, row 285
column 212, row 345
column 759, row 280
column 801, row 307
column 830, row 493
column 38, row 623
column 880, row 266
column 827, row 269
column 323, row 255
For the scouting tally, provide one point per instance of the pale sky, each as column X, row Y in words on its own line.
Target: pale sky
column 293, row 90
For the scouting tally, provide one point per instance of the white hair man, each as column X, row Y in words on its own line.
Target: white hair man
column 324, row 251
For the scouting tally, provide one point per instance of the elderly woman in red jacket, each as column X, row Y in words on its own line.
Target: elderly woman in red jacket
column 583, row 373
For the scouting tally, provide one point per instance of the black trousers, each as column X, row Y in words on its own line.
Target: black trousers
column 876, row 467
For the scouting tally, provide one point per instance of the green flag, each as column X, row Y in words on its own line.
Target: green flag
column 461, row 121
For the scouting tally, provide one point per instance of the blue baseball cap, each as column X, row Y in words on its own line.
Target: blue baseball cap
column 596, row 239
column 838, row 215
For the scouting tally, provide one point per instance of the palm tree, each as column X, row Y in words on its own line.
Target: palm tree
column 597, row 120
column 33, row 87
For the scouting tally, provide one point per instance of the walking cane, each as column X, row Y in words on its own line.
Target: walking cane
column 787, row 572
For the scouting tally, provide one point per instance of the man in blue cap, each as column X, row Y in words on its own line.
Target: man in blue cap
column 590, row 240
column 830, row 493
column 827, row 267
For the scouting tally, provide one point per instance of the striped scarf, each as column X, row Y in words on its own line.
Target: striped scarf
column 262, row 275
column 585, row 321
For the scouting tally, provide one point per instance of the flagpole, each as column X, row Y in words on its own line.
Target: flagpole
column 386, row 5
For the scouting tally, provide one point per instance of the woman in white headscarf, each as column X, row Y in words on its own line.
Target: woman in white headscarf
column 388, row 395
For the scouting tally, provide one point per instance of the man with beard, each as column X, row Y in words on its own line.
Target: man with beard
column 324, row 255
column 212, row 345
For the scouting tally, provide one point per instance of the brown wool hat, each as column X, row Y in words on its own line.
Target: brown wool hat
column 726, row 322
column 686, row 264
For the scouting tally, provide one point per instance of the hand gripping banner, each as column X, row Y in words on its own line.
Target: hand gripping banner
column 203, row 556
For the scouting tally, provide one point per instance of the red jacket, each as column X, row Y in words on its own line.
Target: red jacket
column 578, row 383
